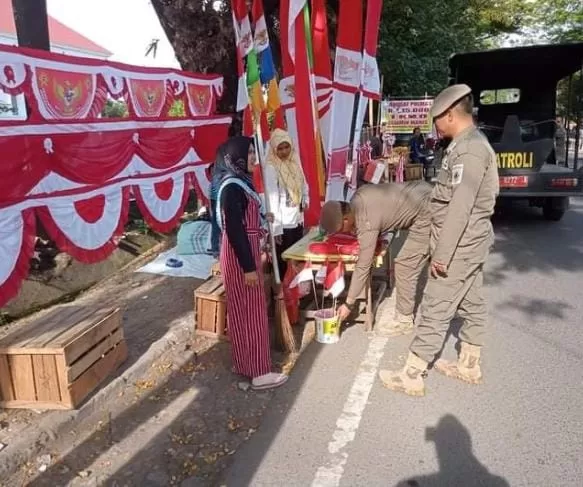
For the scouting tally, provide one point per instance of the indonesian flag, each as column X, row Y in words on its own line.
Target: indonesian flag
column 334, row 283
column 322, row 69
column 347, row 79
column 305, row 113
column 370, row 84
column 305, row 275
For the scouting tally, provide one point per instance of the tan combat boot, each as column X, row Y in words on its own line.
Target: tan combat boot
column 409, row 379
column 399, row 325
column 467, row 367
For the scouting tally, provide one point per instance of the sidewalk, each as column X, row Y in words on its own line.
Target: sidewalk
column 174, row 406
column 175, row 414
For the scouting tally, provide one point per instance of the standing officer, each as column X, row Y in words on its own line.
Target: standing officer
column 462, row 203
column 373, row 210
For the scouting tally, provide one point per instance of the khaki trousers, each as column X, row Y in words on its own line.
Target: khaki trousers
column 410, row 263
column 460, row 291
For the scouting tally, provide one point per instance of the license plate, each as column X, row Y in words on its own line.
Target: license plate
column 513, row 181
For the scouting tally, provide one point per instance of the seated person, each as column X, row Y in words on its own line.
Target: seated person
column 417, row 147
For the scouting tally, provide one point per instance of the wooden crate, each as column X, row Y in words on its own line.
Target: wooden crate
column 59, row 359
column 210, row 309
column 413, row 172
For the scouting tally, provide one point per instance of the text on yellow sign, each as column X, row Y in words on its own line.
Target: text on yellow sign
column 515, row 160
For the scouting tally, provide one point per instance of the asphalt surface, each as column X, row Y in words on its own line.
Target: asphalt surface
column 334, row 424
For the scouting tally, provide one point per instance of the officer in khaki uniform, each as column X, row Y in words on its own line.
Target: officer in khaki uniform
column 462, row 203
column 373, row 210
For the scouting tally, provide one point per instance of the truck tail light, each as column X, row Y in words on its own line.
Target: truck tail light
column 564, row 182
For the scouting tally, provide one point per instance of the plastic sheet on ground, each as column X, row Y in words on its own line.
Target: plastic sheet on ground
column 197, row 266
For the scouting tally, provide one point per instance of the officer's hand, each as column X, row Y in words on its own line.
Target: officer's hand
column 438, row 269
column 343, row 313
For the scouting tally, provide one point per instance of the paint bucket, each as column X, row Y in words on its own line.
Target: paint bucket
column 327, row 326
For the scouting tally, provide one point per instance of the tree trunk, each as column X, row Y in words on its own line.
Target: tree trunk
column 32, row 24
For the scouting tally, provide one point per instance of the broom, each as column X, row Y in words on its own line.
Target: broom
column 283, row 329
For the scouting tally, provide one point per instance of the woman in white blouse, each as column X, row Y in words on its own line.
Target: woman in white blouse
column 285, row 186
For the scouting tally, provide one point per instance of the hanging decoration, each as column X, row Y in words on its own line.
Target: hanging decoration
column 77, row 172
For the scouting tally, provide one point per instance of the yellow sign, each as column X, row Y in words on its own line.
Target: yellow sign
column 515, row 160
column 402, row 116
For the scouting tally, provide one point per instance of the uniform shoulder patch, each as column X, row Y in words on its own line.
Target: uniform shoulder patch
column 457, row 172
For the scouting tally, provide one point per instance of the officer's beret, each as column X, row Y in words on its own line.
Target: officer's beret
column 448, row 98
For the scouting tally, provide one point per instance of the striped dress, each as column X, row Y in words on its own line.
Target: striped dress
column 246, row 308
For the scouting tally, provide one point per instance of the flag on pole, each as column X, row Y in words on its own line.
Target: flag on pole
column 334, row 283
column 322, row 69
column 287, row 83
column 254, row 84
column 346, row 84
column 313, row 98
column 246, row 49
column 242, row 43
column 370, row 83
column 263, row 49
column 298, row 52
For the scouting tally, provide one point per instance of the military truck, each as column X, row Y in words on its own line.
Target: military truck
column 515, row 95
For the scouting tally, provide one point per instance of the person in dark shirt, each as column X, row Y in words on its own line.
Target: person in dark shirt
column 239, row 214
column 417, row 147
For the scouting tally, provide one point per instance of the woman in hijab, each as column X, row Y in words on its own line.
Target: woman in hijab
column 286, row 188
column 240, row 217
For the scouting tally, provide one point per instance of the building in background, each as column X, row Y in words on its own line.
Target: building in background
column 64, row 40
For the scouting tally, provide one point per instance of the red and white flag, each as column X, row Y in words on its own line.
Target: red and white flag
column 300, row 90
column 334, row 283
column 322, row 69
column 305, row 275
column 347, row 69
column 370, row 83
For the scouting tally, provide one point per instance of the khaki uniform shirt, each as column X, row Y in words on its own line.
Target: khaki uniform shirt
column 378, row 208
column 463, row 200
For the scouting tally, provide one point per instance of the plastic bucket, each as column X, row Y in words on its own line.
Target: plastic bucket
column 327, row 327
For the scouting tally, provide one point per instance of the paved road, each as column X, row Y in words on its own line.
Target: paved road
column 334, row 424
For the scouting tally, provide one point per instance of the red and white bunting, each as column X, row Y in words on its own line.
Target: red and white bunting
column 76, row 172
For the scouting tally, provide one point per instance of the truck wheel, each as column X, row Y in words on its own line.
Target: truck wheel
column 554, row 208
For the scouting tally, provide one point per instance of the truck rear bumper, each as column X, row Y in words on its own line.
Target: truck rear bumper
column 548, row 182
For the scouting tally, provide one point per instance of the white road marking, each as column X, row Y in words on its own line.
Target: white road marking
column 330, row 474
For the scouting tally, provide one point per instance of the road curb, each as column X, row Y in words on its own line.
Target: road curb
column 36, row 438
